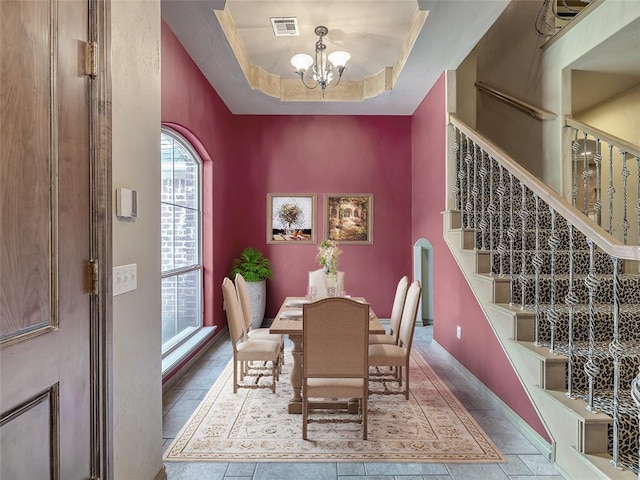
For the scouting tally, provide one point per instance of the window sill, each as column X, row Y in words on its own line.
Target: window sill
column 178, row 356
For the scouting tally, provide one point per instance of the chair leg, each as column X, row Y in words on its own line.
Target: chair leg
column 274, row 376
column 305, row 412
column 235, row 376
column 406, row 383
column 364, row 407
column 281, row 357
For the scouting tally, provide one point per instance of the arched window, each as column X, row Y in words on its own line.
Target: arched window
column 181, row 234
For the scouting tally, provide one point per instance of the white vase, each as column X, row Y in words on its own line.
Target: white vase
column 331, row 282
column 258, row 300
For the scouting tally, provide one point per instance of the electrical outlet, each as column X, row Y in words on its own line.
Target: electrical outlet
column 125, row 278
column 458, row 332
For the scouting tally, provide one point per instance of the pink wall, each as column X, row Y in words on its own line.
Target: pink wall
column 454, row 304
column 192, row 107
column 327, row 154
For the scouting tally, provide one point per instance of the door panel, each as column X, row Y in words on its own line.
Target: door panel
column 45, row 393
column 27, row 165
column 29, row 421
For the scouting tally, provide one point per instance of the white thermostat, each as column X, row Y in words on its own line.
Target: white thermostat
column 126, row 203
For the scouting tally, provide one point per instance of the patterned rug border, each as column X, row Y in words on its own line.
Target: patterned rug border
column 374, row 451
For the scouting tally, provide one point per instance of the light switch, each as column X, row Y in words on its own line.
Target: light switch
column 125, row 278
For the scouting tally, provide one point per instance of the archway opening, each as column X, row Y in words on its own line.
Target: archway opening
column 423, row 271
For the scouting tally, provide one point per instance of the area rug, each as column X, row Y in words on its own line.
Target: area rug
column 253, row 426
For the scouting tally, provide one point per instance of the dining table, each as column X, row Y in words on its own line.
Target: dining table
column 288, row 321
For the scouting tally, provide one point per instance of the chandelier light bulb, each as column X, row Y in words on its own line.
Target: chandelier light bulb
column 339, row 58
column 301, row 62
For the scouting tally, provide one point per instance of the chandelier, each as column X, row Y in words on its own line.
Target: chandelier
column 324, row 68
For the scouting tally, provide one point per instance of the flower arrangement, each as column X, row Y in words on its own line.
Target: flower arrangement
column 327, row 257
column 290, row 214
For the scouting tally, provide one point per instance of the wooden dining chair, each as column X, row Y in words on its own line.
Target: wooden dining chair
column 246, row 350
column 250, row 332
column 334, row 357
column 391, row 338
column 316, row 278
column 399, row 355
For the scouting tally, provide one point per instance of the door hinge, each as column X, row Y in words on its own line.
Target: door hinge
column 91, row 59
column 92, row 276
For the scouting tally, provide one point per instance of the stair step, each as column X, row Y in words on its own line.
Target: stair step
column 544, row 234
column 627, row 364
column 553, row 365
column 602, row 463
column 628, row 288
column 627, row 423
column 578, row 408
column 628, row 322
column 594, row 426
column 602, row 261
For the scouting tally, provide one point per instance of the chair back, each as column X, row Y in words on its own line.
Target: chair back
column 409, row 313
column 335, row 339
column 234, row 311
column 398, row 305
column 245, row 303
column 316, row 277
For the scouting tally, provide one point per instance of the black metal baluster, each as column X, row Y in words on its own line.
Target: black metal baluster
column 571, row 300
column 591, row 368
column 537, row 265
column 616, row 349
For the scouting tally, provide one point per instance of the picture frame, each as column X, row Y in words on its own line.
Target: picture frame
column 349, row 218
column 291, row 218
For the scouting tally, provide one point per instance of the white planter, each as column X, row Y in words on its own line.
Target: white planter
column 258, row 300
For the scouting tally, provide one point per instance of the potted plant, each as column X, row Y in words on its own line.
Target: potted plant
column 255, row 269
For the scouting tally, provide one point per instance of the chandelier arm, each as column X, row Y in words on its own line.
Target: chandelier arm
column 340, row 70
column 305, row 83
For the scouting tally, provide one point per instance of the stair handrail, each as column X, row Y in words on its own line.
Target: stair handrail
column 525, row 107
column 608, row 138
column 584, row 224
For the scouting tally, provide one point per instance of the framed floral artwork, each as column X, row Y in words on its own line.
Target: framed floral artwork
column 349, row 218
column 291, row 218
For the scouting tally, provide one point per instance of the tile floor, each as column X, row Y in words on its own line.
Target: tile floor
column 524, row 460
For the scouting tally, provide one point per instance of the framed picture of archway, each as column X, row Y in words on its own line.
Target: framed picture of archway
column 349, row 218
column 291, row 218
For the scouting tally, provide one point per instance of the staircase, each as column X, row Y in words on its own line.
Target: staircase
column 557, row 14
column 563, row 298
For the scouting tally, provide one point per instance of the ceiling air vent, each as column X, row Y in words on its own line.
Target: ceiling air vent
column 285, row 26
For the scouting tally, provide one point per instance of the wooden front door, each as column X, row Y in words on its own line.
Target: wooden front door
column 45, row 222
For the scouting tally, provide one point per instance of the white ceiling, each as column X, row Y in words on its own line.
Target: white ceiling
column 371, row 30
column 373, row 35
